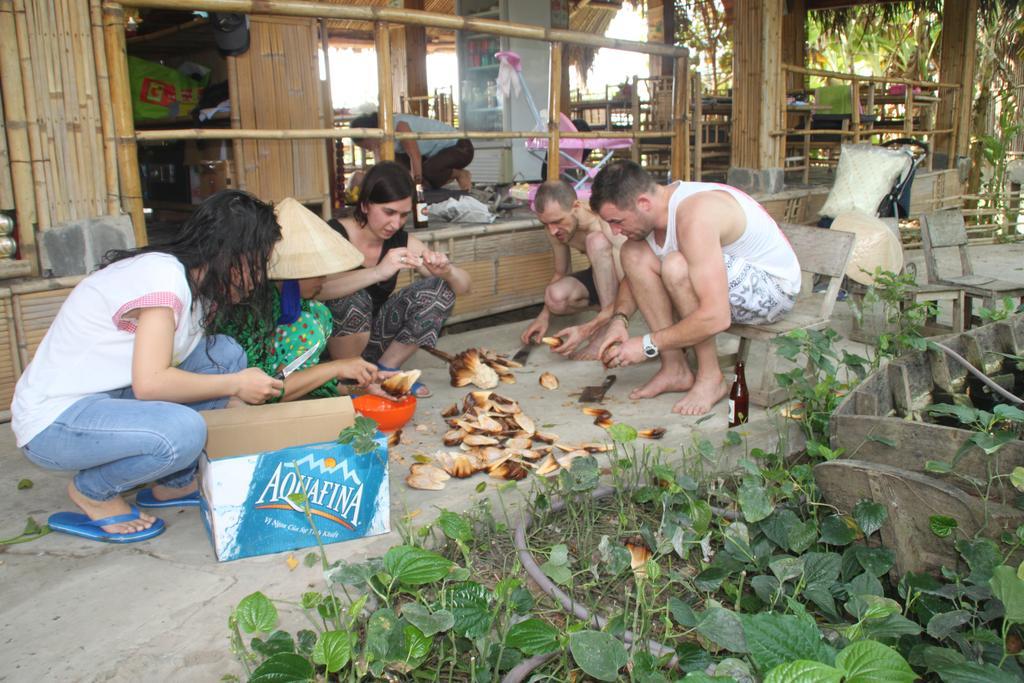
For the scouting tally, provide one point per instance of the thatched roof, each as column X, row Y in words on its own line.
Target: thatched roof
column 835, row 19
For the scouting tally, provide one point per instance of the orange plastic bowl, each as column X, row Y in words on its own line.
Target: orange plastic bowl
column 389, row 415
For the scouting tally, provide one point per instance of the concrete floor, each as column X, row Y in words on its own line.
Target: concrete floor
column 76, row 610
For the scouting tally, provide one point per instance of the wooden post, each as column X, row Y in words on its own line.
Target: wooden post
column 35, row 144
column 106, row 110
column 416, row 61
column 956, row 65
column 634, row 151
column 680, row 125
column 237, row 146
column 124, row 124
column 554, row 107
column 17, row 137
column 757, row 74
column 698, row 128
column 319, row 31
column 385, row 101
column 854, row 109
column 794, row 41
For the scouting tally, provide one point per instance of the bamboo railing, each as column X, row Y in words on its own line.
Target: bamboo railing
column 858, row 130
column 381, row 17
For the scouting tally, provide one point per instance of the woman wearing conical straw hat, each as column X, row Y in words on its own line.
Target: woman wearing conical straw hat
column 309, row 251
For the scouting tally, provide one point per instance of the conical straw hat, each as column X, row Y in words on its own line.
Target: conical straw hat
column 876, row 246
column 308, row 246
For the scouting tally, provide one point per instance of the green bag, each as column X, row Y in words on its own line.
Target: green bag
column 160, row 92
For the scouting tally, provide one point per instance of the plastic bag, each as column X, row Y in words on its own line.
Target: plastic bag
column 465, row 209
column 160, row 92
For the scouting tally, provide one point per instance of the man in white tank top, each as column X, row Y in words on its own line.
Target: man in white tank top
column 698, row 257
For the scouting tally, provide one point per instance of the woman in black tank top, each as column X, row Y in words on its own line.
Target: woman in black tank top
column 371, row 319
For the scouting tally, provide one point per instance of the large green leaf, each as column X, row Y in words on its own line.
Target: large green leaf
column 973, row 672
column 469, row 603
column 870, row 516
column 416, row 566
column 754, row 502
column 836, row 531
column 256, row 612
column 599, row 654
column 279, row 641
column 775, row 639
column 455, row 526
column 382, row 629
column 868, row 661
column 804, row 671
column 982, row 556
column 333, row 650
column 533, row 637
column 941, row 625
column 421, row 617
column 1010, row 590
column 777, row 526
column 723, row 628
column 802, row 536
column 682, row 612
column 417, row 647
column 283, row 668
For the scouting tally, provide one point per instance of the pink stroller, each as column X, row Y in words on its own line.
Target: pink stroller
column 570, row 150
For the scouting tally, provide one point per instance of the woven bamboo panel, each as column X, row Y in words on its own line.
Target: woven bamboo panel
column 61, row 90
column 10, row 363
column 33, row 313
column 275, row 91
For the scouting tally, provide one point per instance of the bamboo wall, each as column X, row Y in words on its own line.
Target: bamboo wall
column 62, row 103
column 277, row 85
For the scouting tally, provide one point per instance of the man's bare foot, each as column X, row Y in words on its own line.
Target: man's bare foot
column 702, row 397
column 161, row 492
column 665, row 381
column 100, row 509
column 464, row 178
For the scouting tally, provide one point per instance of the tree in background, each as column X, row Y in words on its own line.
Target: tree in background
column 701, row 25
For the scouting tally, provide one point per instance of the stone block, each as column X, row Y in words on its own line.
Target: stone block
column 78, row 247
column 756, row 181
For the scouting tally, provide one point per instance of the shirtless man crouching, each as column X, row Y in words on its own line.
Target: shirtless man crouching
column 699, row 256
column 572, row 225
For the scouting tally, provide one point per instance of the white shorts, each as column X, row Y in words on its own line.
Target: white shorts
column 755, row 297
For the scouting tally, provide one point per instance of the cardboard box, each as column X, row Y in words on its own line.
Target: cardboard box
column 256, row 456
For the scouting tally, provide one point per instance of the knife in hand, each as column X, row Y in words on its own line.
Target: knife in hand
column 297, row 363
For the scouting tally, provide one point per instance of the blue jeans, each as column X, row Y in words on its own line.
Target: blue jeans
column 117, row 442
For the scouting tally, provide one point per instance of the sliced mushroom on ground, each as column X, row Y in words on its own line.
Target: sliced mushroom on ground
column 548, row 381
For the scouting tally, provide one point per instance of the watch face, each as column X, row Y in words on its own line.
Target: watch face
column 650, row 350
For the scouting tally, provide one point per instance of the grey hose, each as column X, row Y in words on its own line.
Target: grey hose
column 524, row 668
column 977, row 373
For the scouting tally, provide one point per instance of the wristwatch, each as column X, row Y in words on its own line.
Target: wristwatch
column 650, row 348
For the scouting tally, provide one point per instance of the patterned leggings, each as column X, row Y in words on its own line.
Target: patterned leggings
column 413, row 315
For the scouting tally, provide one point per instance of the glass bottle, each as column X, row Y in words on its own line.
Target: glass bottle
column 739, row 398
column 419, row 214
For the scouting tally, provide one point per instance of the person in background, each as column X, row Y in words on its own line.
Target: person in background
column 572, row 225
column 309, row 251
column 371, row 319
column 114, row 388
column 435, row 162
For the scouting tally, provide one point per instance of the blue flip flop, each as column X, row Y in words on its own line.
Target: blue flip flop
column 416, row 386
column 145, row 499
column 77, row 524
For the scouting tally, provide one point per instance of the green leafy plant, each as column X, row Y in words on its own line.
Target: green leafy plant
column 360, row 435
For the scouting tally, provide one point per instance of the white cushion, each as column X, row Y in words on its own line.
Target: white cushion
column 864, row 176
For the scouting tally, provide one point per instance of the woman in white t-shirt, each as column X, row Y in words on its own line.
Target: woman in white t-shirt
column 114, row 387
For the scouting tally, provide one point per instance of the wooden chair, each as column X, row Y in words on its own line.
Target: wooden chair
column 946, row 230
column 823, row 253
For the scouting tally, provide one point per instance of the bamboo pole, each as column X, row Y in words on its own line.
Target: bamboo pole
column 237, row 149
column 698, row 129
column 373, row 14
column 680, row 141
column 385, row 105
column 634, row 151
column 124, row 124
column 931, row 85
column 371, row 133
column 554, row 108
column 32, row 115
column 327, row 119
column 165, row 32
column 17, row 137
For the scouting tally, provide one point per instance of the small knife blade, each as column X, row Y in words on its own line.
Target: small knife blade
column 595, row 394
column 522, row 354
column 297, row 363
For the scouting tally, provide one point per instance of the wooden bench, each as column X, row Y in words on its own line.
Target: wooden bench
column 946, row 230
column 823, row 253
